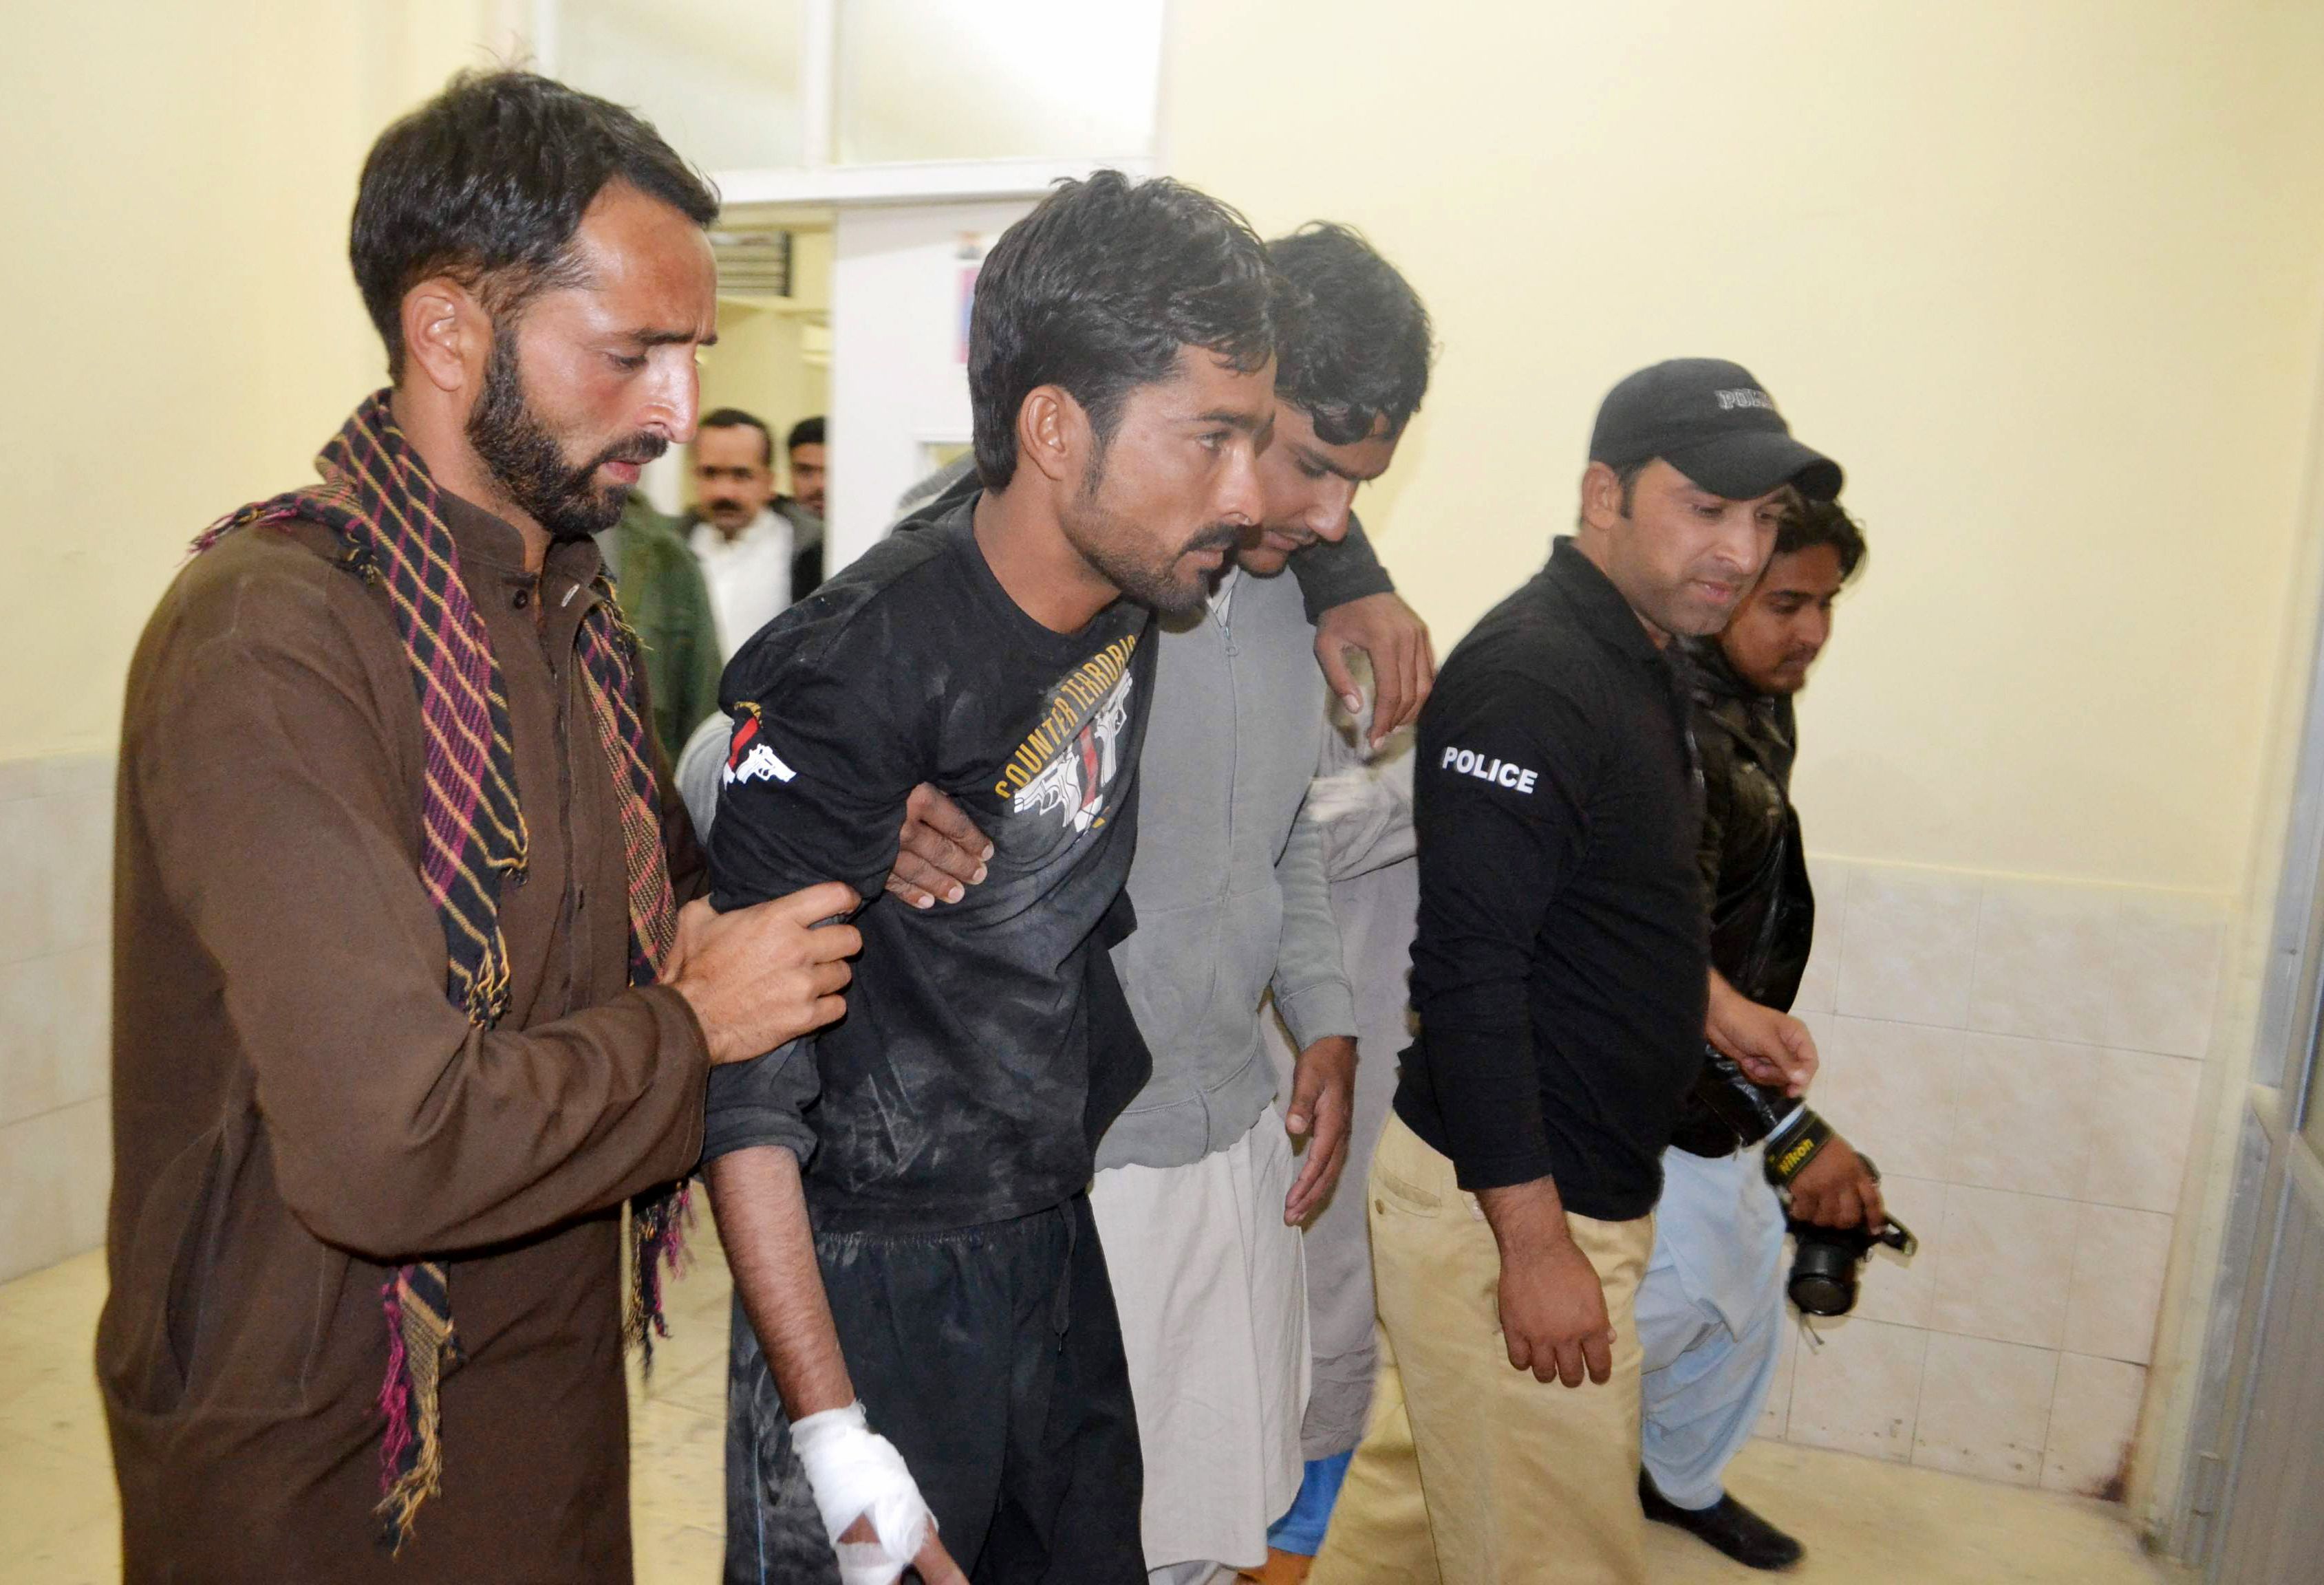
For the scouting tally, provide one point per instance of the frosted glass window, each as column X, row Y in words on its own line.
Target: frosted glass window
column 719, row 78
column 991, row 79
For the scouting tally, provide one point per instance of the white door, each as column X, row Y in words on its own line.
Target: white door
column 900, row 280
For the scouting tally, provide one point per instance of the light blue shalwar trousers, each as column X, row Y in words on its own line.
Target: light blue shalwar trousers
column 1711, row 1319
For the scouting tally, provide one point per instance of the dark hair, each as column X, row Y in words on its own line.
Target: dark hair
column 487, row 182
column 1096, row 290
column 806, row 432
column 1812, row 523
column 734, row 418
column 1356, row 347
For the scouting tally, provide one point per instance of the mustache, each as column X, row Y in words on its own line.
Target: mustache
column 639, row 448
column 1217, row 537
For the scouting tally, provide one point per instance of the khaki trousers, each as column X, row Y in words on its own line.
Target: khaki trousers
column 1471, row 1473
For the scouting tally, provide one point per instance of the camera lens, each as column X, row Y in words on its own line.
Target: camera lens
column 1823, row 1279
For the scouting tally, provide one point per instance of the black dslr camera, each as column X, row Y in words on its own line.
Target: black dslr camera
column 1825, row 1265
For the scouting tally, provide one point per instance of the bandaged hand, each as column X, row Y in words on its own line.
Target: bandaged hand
column 855, row 1475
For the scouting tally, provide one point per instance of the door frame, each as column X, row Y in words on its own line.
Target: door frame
column 2271, row 1099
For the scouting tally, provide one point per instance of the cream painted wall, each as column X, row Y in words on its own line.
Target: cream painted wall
column 185, row 333
column 2049, row 280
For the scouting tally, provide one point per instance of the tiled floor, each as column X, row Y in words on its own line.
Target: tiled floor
column 1864, row 1520
column 1869, row 1522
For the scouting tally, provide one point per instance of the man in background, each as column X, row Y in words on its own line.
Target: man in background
column 1712, row 1309
column 803, row 449
column 663, row 596
column 758, row 555
column 1564, row 992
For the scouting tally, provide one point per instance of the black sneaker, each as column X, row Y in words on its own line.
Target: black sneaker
column 1726, row 1527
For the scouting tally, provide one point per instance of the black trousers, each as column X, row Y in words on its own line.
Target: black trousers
column 992, row 1357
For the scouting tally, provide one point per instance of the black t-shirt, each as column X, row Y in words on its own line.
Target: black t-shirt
column 957, row 1089
column 1560, row 971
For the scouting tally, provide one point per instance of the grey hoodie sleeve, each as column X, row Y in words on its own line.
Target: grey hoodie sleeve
column 1311, row 983
column 701, row 770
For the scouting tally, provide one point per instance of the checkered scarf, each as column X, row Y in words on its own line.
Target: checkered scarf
column 377, row 495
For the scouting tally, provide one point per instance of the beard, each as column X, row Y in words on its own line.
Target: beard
column 1110, row 542
column 527, row 462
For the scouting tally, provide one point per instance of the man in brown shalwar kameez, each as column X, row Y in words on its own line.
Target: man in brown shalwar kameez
column 405, row 1007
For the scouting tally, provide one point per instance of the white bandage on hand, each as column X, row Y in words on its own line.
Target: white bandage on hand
column 855, row 1475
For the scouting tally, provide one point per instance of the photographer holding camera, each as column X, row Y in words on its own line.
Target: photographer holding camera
column 1710, row 1310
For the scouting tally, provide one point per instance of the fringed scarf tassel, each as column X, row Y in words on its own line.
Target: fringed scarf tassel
column 419, row 1344
column 658, row 1228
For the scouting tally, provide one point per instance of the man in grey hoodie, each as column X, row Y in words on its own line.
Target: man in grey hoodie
column 1198, row 1196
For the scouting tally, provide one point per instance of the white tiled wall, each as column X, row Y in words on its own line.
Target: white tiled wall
column 2022, row 1060
column 56, row 866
